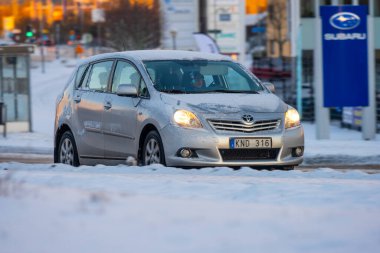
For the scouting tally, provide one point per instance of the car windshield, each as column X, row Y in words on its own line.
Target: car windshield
column 200, row 76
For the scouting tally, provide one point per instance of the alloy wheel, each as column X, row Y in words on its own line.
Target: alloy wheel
column 152, row 152
column 67, row 152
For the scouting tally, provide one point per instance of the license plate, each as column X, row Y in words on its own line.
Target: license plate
column 250, row 143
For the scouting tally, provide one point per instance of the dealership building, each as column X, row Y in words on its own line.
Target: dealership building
column 310, row 13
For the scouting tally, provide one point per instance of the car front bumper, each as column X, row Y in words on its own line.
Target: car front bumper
column 208, row 145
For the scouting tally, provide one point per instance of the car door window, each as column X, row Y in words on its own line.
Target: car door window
column 99, row 76
column 143, row 90
column 126, row 73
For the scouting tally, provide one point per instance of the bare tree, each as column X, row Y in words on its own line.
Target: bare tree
column 133, row 26
column 277, row 21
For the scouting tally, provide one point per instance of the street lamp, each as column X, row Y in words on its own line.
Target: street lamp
column 173, row 33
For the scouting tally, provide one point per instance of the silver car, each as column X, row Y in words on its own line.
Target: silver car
column 176, row 108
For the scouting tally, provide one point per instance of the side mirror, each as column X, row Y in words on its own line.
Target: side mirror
column 270, row 86
column 126, row 90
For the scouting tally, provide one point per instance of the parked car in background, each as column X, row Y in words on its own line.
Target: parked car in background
column 176, row 108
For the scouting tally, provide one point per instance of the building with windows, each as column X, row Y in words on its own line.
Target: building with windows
column 231, row 23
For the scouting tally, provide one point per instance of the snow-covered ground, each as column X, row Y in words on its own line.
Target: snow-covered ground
column 57, row 208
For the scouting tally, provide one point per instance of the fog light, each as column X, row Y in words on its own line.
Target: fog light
column 185, row 153
column 297, row 152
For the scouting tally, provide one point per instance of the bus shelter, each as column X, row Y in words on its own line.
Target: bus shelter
column 15, row 87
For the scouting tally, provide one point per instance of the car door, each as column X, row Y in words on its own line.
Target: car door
column 89, row 108
column 120, row 119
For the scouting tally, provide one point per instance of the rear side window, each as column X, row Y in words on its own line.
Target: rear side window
column 99, row 76
column 79, row 76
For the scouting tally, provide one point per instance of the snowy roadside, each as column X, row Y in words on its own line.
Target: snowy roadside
column 58, row 208
column 345, row 147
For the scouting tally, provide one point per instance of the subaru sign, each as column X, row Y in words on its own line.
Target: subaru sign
column 345, row 20
column 345, row 55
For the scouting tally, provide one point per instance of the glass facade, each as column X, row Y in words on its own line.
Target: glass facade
column 326, row 2
column 14, row 86
column 308, row 9
column 377, row 8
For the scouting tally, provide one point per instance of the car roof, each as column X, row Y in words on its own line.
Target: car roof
column 151, row 55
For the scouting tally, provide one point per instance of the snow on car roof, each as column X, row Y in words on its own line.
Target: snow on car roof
column 175, row 55
column 151, row 55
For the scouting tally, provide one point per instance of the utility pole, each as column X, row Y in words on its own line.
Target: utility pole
column 369, row 113
column 41, row 24
column 322, row 115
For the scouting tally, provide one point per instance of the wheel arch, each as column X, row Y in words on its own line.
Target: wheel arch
column 60, row 131
column 147, row 128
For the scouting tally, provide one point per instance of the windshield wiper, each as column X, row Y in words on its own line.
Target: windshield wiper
column 174, row 91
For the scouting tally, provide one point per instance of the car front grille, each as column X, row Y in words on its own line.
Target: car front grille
column 240, row 126
column 249, row 154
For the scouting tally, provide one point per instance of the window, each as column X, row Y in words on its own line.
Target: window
column 308, row 8
column 272, row 47
column 125, row 73
column 143, row 90
column 236, row 81
column 376, row 5
column 377, row 74
column 152, row 74
column 79, row 76
column 99, row 76
column 325, row 2
column 209, row 80
column 197, row 76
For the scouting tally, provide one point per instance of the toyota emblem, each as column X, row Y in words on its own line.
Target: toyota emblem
column 248, row 119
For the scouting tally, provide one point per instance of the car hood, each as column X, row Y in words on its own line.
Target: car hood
column 226, row 103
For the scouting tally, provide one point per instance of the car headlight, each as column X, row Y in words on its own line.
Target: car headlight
column 186, row 119
column 292, row 118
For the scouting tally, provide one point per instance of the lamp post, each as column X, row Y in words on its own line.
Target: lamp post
column 41, row 27
column 98, row 17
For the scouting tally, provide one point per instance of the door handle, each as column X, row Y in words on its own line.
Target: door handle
column 77, row 98
column 107, row 105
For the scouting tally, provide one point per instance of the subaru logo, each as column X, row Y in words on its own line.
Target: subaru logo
column 248, row 119
column 345, row 20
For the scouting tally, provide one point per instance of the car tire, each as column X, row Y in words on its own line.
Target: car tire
column 153, row 150
column 286, row 168
column 67, row 150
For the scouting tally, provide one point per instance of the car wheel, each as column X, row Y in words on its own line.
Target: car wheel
column 67, row 151
column 153, row 150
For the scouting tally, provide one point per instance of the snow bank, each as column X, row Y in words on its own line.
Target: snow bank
column 58, row 208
